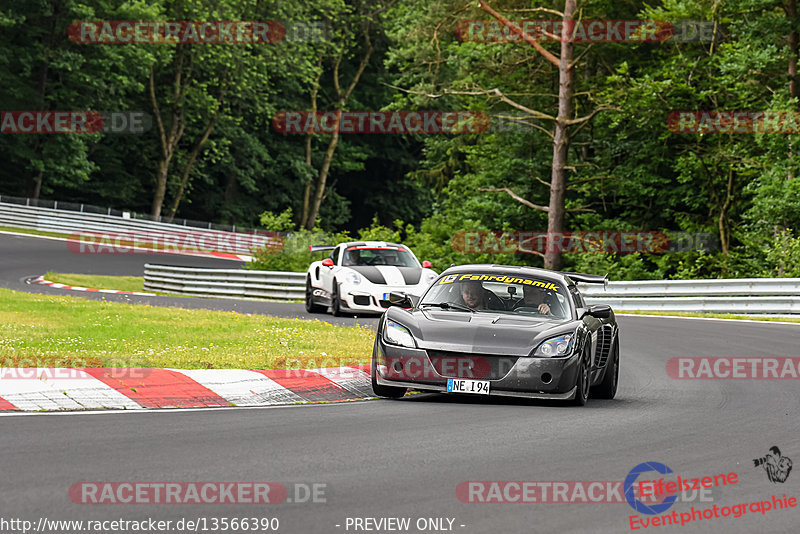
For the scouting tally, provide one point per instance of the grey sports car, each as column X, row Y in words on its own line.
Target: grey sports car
column 499, row 330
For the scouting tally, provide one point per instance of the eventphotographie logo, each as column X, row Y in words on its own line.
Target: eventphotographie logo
column 777, row 467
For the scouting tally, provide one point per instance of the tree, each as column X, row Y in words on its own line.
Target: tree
column 364, row 16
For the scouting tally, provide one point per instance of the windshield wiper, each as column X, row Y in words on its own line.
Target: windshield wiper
column 448, row 306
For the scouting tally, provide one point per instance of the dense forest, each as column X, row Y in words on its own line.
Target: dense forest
column 576, row 134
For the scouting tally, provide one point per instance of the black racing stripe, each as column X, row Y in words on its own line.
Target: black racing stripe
column 411, row 275
column 370, row 273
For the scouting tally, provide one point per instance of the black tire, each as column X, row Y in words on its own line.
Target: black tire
column 607, row 389
column 310, row 306
column 384, row 391
column 336, row 304
column 582, row 382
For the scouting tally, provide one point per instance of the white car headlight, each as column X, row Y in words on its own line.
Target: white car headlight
column 397, row 334
column 353, row 278
column 557, row 346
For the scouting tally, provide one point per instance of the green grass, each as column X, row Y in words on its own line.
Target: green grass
column 55, row 331
column 712, row 316
column 121, row 283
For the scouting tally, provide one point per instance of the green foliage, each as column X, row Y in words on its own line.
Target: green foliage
column 627, row 170
column 378, row 232
column 277, row 223
column 783, row 256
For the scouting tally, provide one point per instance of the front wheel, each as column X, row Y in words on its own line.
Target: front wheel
column 336, row 304
column 582, row 382
column 384, row 391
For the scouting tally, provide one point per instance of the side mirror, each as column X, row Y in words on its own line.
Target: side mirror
column 327, row 262
column 426, row 264
column 400, row 299
column 599, row 311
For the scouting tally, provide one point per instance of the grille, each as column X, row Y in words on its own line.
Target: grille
column 603, row 344
column 361, row 300
column 467, row 365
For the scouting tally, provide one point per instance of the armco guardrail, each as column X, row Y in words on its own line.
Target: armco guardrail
column 126, row 214
column 166, row 234
column 225, row 283
column 745, row 295
column 776, row 296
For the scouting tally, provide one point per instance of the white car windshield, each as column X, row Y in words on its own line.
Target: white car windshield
column 509, row 294
column 371, row 256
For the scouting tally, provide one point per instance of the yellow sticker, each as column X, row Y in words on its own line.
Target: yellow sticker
column 449, row 279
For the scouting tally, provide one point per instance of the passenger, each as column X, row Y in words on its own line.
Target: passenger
column 539, row 298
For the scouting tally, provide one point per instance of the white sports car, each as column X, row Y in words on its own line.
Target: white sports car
column 358, row 277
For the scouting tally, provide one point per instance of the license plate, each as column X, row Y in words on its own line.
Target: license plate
column 458, row 385
column 386, row 296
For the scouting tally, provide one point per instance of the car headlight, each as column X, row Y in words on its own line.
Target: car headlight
column 397, row 334
column 353, row 278
column 557, row 346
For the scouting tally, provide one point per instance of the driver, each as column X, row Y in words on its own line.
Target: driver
column 472, row 294
column 353, row 258
column 538, row 297
column 477, row 297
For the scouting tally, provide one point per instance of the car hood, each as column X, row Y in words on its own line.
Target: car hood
column 482, row 332
column 389, row 274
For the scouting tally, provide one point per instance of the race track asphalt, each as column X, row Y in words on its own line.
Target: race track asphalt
column 24, row 258
column 405, row 458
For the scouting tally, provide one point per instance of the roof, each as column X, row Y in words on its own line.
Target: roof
column 378, row 244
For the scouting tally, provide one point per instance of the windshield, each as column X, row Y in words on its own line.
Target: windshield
column 517, row 295
column 367, row 256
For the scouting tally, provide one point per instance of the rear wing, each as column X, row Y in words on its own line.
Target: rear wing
column 320, row 248
column 588, row 278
